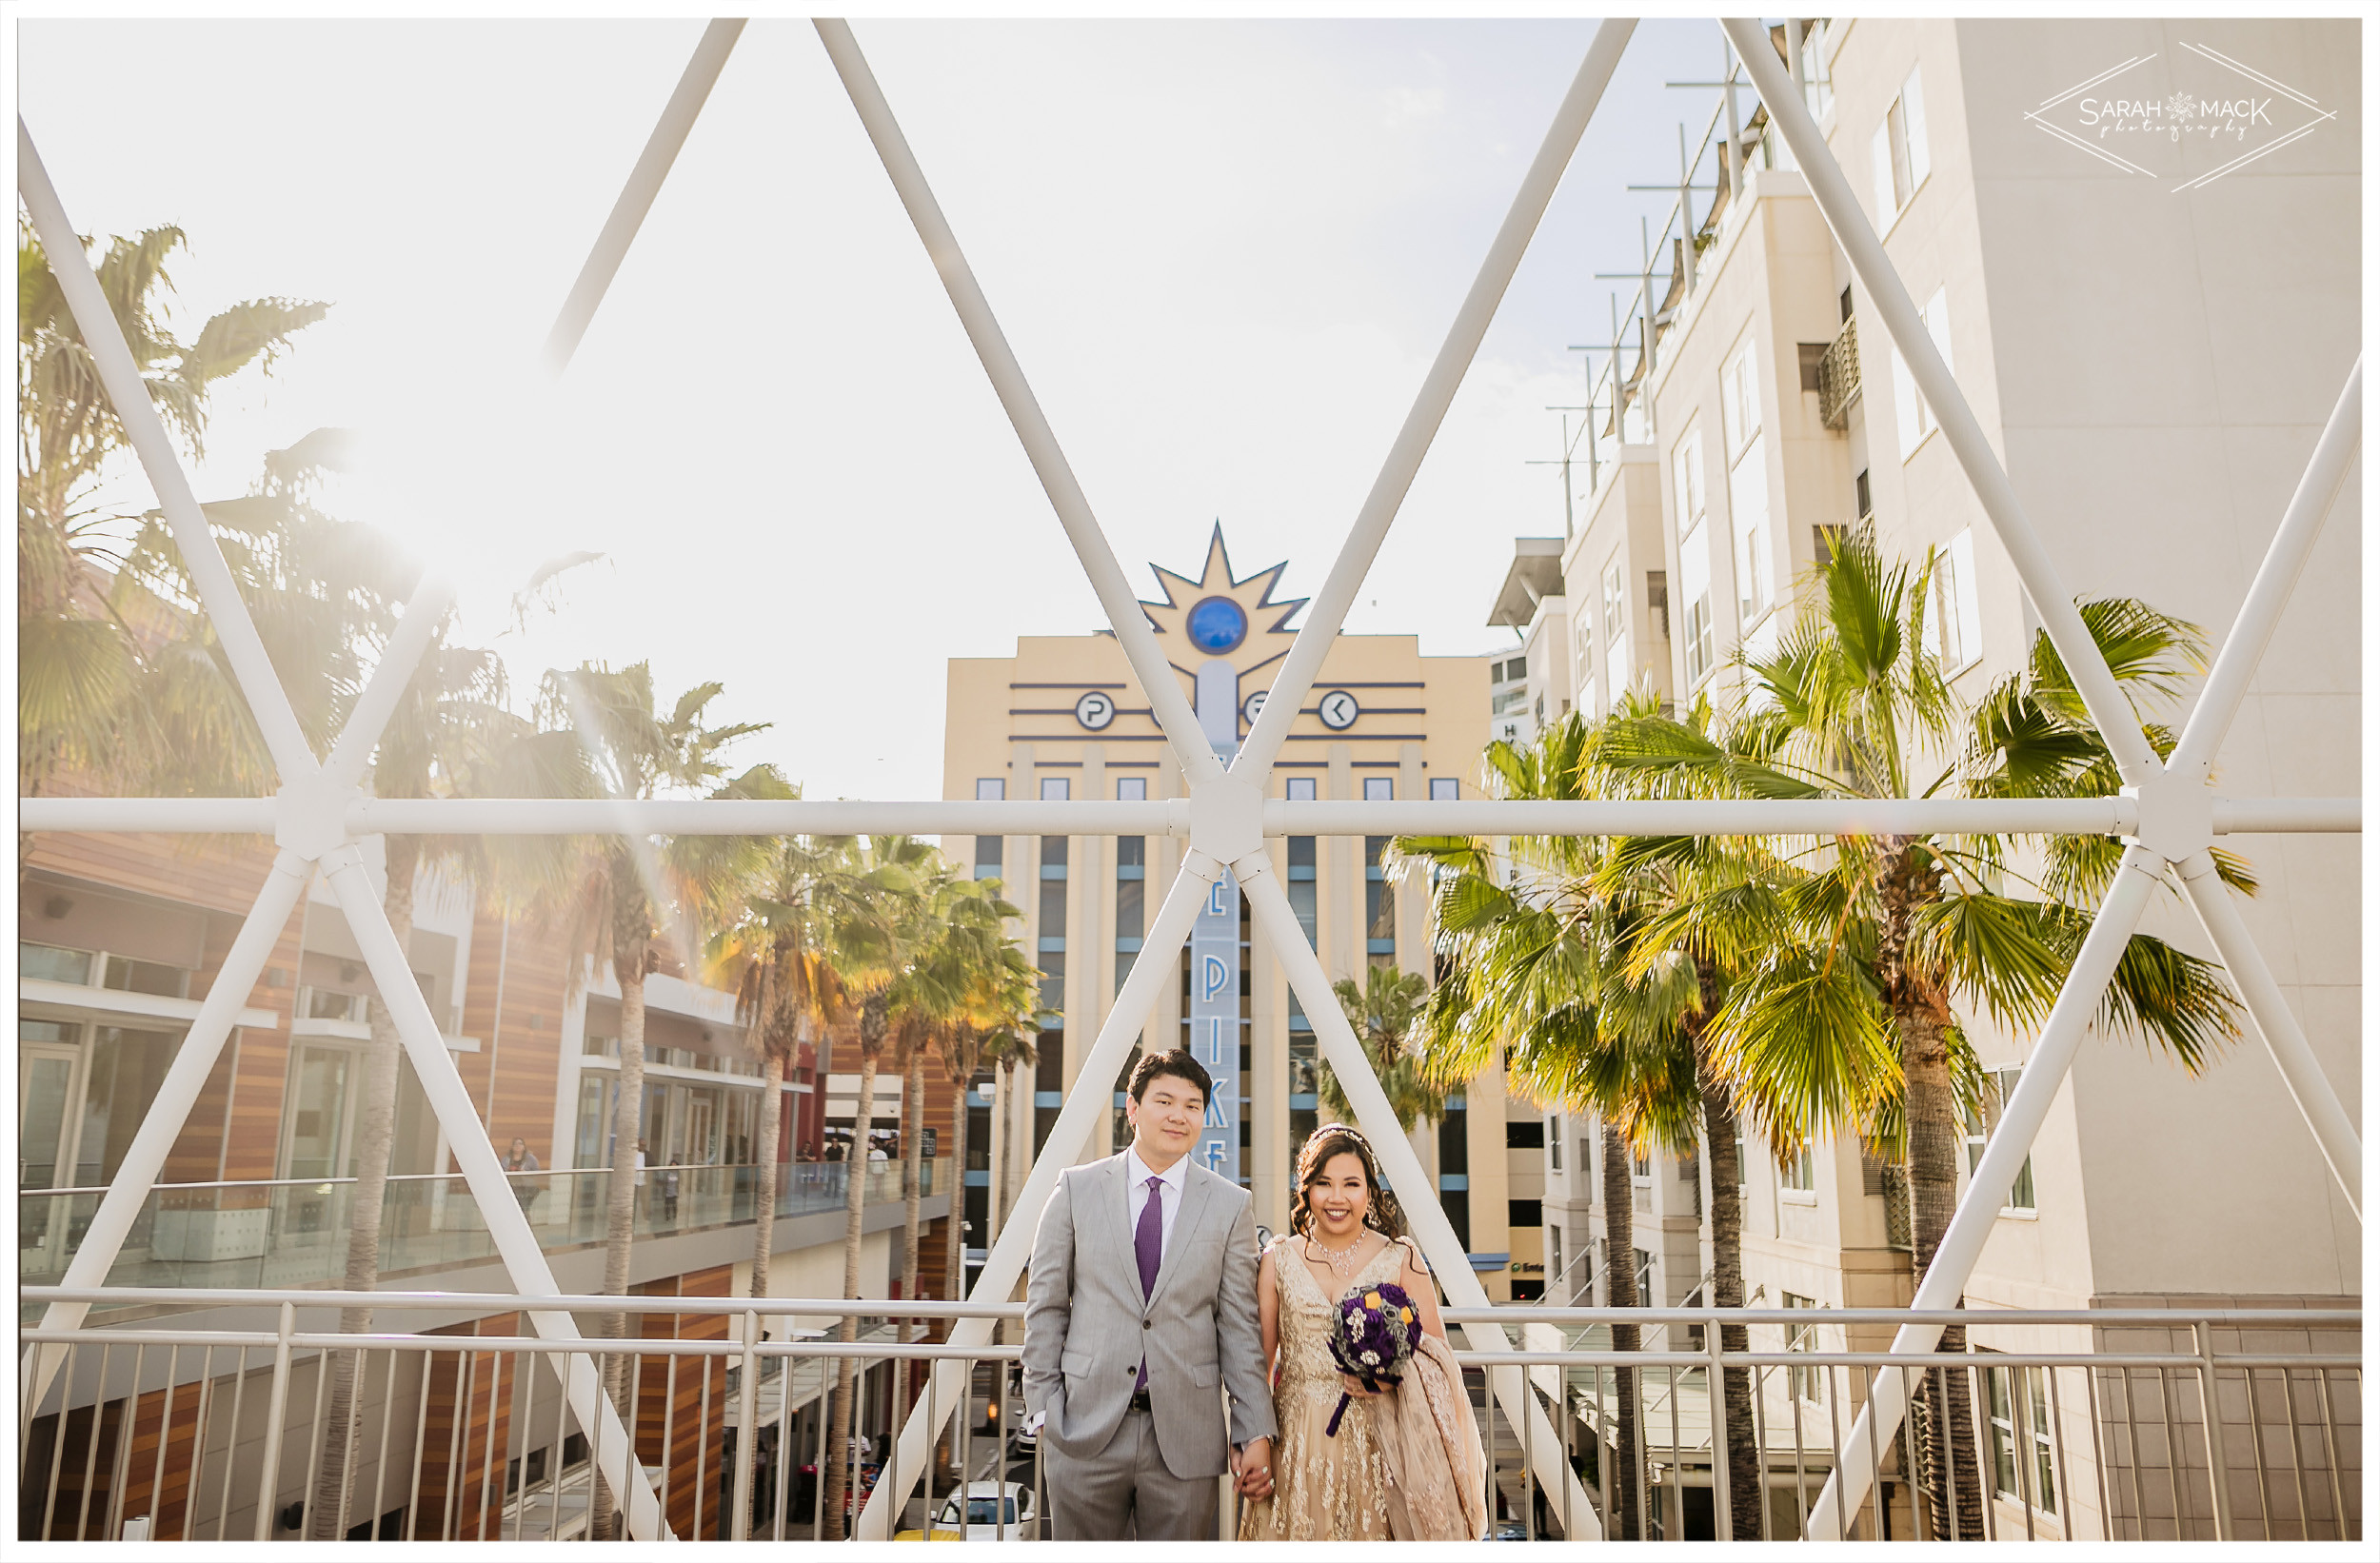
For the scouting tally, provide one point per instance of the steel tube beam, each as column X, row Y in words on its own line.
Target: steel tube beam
column 2078, row 1001
column 636, row 198
column 2287, row 816
column 2118, row 725
column 387, row 687
column 1136, row 1002
column 1269, row 909
column 1171, row 817
column 1158, row 680
column 146, row 433
column 1329, row 610
column 507, row 1223
column 167, row 1111
column 2342, row 1147
column 2284, row 561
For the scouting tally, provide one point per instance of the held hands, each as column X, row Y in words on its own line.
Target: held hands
column 1355, row 1386
column 1252, row 1468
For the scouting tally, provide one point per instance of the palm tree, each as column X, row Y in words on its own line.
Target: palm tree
column 786, row 984
column 1539, row 978
column 441, row 734
column 1009, row 1054
column 958, row 936
column 1003, row 994
column 1381, row 1012
column 872, row 949
column 1848, row 1002
column 86, row 649
column 626, row 888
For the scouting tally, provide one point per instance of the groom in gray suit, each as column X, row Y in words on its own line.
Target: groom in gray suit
column 1139, row 1315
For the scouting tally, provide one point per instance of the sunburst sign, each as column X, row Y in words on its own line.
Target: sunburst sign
column 1220, row 615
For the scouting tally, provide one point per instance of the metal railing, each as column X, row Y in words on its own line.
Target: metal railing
column 205, row 1420
column 293, row 1231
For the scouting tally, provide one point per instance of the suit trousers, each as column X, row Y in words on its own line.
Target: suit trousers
column 1125, row 1493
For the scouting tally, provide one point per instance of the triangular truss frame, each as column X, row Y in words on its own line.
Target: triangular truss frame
column 2165, row 811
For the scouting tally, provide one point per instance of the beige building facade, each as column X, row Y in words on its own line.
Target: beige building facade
column 1064, row 718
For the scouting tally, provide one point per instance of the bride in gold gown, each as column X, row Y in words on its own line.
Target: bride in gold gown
column 1405, row 1462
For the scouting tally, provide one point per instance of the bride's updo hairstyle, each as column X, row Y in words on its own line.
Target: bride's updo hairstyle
column 1380, row 1212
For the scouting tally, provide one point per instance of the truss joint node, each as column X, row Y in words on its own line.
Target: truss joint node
column 1228, row 818
column 310, row 815
column 2173, row 814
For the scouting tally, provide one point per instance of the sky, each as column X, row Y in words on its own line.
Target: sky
column 1225, row 252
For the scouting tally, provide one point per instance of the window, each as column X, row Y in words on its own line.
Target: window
column 1132, row 789
column 1909, row 406
column 1954, row 634
column 1380, row 897
column 1688, row 468
column 1445, row 789
column 1300, row 789
column 1748, row 512
column 1379, row 789
column 1132, row 873
column 1301, row 887
column 1998, row 1086
column 1899, row 155
column 1614, row 612
column 1644, row 1278
column 1554, row 1143
column 2020, row 1429
column 1739, row 401
column 1056, row 789
column 1800, row 1171
column 1693, row 571
column 988, row 789
column 1524, row 1135
column 1804, row 1384
column 1859, row 493
column 1818, row 84
column 48, row 964
column 1524, row 1214
column 1640, row 1165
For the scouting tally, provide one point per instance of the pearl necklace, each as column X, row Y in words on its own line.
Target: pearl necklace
column 1341, row 1260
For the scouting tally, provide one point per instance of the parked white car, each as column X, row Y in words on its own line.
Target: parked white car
column 985, row 1521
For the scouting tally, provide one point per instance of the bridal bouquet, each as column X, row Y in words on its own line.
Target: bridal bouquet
column 1373, row 1341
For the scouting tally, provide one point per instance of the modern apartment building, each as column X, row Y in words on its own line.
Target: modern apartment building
column 2151, row 328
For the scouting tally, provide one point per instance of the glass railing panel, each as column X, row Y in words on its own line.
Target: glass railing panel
column 295, row 1234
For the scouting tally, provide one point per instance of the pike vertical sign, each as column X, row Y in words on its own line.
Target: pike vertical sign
column 1214, row 1023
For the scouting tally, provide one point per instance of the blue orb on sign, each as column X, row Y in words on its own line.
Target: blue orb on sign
column 1218, row 624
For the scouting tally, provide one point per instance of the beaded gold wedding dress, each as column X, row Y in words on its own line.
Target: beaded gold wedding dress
column 1325, row 1487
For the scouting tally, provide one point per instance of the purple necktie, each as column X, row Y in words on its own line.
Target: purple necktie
column 1148, row 1246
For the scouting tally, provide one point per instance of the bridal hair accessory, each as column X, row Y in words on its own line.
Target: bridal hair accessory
column 1372, row 1339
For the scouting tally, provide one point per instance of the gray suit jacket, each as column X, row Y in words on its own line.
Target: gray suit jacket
column 1087, row 1325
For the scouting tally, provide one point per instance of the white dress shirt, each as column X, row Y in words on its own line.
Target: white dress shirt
column 1173, row 1182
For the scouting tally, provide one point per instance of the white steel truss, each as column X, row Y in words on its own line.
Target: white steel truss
column 2165, row 811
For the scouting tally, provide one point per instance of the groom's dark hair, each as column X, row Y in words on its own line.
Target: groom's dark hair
column 1177, row 1064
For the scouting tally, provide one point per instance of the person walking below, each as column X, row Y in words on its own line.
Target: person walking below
column 1140, row 1303
column 521, row 1159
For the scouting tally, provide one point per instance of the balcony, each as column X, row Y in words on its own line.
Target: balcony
column 292, row 1232
column 1838, row 377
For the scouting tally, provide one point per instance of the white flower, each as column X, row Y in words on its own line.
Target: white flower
column 1373, row 1358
